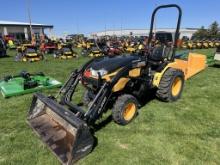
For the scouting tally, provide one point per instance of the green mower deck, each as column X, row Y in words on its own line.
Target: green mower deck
column 16, row 86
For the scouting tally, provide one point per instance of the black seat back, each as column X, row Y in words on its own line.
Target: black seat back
column 160, row 53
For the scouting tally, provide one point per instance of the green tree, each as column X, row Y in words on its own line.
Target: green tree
column 213, row 30
column 201, row 33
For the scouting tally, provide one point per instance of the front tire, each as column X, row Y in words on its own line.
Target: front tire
column 171, row 85
column 125, row 109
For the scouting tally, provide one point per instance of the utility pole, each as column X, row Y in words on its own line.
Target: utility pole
column 30, row 22
column 105, row 29
column 121, row 26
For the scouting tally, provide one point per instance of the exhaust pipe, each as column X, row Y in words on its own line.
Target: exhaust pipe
column 68, row 137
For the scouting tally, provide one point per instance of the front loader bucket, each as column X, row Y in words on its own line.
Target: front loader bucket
column 66, row 135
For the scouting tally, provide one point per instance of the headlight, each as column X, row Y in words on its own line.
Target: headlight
column 96, row 73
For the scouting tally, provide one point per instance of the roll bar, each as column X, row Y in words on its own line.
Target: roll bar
column 177, row 27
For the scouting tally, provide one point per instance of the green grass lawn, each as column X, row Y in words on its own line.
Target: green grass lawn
column 184, row 132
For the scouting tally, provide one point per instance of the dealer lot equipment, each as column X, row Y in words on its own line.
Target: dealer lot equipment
column 25, row 82
column 121, row 80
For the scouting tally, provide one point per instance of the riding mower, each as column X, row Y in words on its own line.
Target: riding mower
column 205, row 44
column 67, row 128
column 94, row 50
column 85, row 43
column 25, row 82
column 198, row 44
column 80, row 44
column 28, row 53
column 217, row 43
column 86, row 46
column 65, row 52
column 191, row 45
column 113, row 49
column 211, row 44
column 50, row 47
column 131, row 47
column 188, row 45
column 184, row 45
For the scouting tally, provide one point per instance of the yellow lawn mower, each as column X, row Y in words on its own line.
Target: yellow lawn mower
column 217, row 43
column 93, row 50
column 191, row 45
column 131, row 47
column 211, row 44
column 184, row 45
column 205, row 44
column 28, row 53
column 65, row 52
column 198, row 44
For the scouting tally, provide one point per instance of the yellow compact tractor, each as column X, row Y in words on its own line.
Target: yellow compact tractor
column 118, row 83
column 28, row 53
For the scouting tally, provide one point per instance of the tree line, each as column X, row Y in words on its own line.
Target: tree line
column 212, row 32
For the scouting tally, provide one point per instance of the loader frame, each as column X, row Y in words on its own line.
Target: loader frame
column 97, row 107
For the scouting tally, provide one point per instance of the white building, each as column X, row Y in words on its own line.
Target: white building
column 187, row 32
column 21, row 30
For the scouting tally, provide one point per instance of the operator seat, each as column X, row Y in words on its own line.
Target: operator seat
column 159, row 54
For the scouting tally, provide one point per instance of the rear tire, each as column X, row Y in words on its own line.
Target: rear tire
column 171, row 85
column 125, row 109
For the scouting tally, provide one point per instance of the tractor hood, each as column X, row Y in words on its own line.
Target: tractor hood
column 110, row 64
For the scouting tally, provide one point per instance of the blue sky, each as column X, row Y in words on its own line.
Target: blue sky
column 85, row 16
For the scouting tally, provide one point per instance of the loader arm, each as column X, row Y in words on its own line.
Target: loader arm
column 97, row 106
column 68, row 88
column 99, row 103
